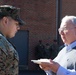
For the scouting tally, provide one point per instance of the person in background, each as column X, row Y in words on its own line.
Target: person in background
column 9, row 25
column 65, row 62
column 54, row 48
column 47, row 51
column 61, row 47
column 39, row 50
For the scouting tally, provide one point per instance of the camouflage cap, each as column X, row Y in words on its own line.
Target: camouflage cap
column 8, row 10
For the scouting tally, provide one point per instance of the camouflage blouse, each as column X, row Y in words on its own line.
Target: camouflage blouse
column 8, row 58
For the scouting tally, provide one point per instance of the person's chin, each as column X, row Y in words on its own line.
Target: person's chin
column 11, row 36
column 64, row 41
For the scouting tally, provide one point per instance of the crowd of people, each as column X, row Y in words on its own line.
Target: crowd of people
column 47, row 50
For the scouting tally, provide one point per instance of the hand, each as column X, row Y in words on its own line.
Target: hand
column 53, row 66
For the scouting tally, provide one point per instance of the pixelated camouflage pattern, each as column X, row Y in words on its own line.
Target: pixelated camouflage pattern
column 8, row 58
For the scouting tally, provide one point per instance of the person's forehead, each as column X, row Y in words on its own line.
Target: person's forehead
column 10, row 19
column 16, row 22
column 66, row 24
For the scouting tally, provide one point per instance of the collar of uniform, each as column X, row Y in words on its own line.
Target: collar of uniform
column 1, row 33
column 70, row 46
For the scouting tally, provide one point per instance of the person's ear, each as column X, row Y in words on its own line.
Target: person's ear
column 5, row 20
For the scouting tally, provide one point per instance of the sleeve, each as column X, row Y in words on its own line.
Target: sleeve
column 2, row 62
column 63, row 71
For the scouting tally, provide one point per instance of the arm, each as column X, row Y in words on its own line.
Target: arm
column 56, row 68
column 63, row 71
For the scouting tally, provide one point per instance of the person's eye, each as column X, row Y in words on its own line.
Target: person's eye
column 65, row 29
column 17, row 24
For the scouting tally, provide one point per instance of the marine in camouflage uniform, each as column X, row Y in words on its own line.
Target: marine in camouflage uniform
column 8, row 55
column 8, row 58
